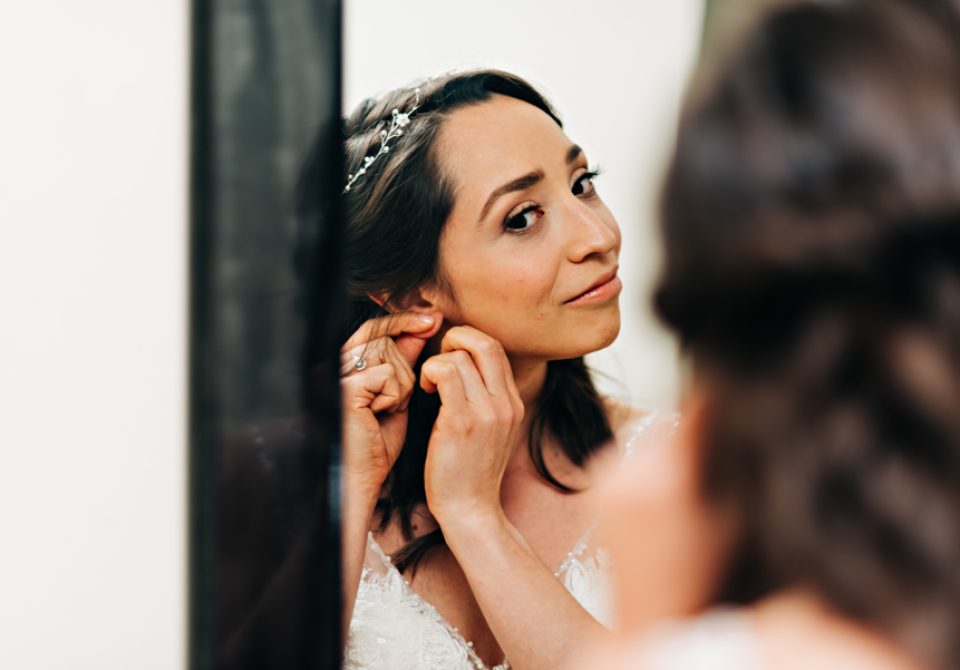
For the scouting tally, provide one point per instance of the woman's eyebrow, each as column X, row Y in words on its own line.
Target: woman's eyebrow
column 526, row 181
column 519, row 184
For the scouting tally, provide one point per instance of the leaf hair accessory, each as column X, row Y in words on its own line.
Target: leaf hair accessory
column 400, row 121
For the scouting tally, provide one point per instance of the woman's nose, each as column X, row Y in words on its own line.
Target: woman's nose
column 590, row 233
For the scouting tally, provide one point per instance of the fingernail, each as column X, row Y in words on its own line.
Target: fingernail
column 427, row 319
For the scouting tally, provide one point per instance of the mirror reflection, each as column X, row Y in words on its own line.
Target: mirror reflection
column 502, row 169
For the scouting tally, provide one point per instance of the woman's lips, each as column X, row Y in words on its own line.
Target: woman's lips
column 607, row 288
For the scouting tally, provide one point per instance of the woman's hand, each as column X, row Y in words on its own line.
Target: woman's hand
column 375, row 395
column 480, row 416
column 479, row 424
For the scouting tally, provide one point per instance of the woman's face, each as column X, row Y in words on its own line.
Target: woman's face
column 529, row 253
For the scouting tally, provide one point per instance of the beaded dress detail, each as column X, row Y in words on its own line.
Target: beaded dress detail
column 394, row 628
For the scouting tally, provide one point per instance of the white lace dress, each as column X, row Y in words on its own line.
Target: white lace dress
column 393, row 628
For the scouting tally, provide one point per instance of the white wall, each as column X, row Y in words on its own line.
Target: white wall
column 614, row 69
column 92, row 343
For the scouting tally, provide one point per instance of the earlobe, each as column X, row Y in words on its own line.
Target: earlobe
column 379, row 298
column 382, row 299
column 413, row 301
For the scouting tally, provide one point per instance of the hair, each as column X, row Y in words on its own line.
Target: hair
column 811, row 226
column 394, row 217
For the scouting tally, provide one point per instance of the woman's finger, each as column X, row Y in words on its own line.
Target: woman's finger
column 411, row 346
column 390, row 395
column 377, row 352
column 405, row 376
column 376, row 388
column 474, row 389
column 393, row 325
column 488, row 355
column 441, row 375
column 370, row 352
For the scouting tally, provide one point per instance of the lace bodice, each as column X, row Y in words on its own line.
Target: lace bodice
column 393, row 628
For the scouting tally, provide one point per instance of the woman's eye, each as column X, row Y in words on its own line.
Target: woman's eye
column 523, row 219
column 584, row 184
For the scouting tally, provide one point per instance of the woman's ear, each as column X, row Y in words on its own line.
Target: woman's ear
column 412, row 301
column 381, row 298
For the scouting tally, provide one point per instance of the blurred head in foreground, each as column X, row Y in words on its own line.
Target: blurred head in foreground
column 811, row 227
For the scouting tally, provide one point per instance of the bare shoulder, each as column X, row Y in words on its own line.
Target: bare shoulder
column 623, row 416
column 625, row 421
column 632, row 425
column 794, row 625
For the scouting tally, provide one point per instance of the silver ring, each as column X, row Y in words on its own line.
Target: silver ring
column 359, row 363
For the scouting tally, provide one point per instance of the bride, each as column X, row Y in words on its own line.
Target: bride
column 481, row 265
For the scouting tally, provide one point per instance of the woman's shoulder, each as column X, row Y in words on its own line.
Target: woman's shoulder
column 630, row 424
column 721, row 639
column 786, row 631
column 621, row 414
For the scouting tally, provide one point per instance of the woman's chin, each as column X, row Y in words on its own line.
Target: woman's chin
column 597, row 339
column 605, row 333
column 565, row 340
column 608, row 339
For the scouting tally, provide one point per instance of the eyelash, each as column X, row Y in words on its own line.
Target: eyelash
column 586, row 176
column 590, row 174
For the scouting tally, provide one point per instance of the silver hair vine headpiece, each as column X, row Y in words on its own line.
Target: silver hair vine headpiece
column 399, row 121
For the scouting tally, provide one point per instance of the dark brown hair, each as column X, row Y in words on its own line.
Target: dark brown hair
column 395, row 215
column 811, row 223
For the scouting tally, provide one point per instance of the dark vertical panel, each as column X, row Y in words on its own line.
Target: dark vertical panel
column 264, row 422
column 711, row 7
column 717, row 17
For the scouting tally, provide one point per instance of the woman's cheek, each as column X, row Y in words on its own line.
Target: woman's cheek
column 509, row 286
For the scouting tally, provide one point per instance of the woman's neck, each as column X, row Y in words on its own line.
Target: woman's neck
column 529, row 375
